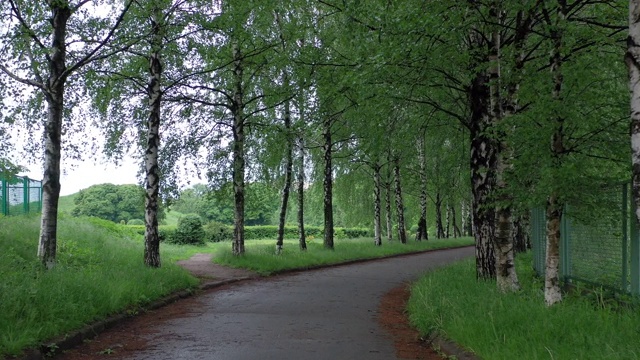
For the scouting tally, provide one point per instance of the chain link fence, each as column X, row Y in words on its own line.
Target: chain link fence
column 599, row 241
column 20, row 195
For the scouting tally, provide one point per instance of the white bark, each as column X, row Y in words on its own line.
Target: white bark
column 377, row 229
column 632, row 60
column 552, row 292
column 506, row 277
column 152, row 182
column 422, row 222
column 54, row 94
column 237, row 246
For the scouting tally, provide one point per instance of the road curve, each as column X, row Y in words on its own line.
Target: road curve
column 322, row 314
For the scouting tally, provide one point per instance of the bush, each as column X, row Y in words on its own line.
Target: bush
column 215, row 232
column 164, row 232
column 189, row 231
column 135, row 222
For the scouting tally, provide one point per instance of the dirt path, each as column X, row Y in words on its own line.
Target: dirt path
column 201, row 266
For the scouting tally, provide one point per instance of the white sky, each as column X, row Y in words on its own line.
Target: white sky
column 82, row 175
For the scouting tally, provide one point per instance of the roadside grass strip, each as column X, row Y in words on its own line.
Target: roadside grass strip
column 451, row 303
column 260, row 255
column 100, row 271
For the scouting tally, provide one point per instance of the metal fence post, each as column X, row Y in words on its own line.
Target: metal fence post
column 25, row 194
column 565, row 249
column 634, row 253
column 635, row 262
column 5, row 200
column 534, row 239
column 625, row 237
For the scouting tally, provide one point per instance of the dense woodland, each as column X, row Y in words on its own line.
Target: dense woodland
column 411, row 113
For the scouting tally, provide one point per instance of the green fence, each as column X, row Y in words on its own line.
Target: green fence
column 20, row 195
column 599, row 242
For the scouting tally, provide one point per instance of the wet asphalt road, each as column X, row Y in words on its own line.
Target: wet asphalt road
column 321, row 314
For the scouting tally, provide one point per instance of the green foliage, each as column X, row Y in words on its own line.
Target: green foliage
column 189, row 231
column 135, row 222
column 519, row 325
column 8, row 169
column 217, row 205
column 110, row 202
column 98, row 273
column 216, row 232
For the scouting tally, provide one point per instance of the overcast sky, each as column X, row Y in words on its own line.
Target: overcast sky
column 88, row 173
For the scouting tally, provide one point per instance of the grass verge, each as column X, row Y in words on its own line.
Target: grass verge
column 451, row 303
column 260, row 255
column 99, row 272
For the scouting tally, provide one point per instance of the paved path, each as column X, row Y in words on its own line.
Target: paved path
column 321, row 314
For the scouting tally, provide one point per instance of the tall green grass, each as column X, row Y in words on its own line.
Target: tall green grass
column 260, row 255
column 450, row 302
column 99, row 272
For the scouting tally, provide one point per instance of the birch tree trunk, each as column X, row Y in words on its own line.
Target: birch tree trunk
column 447, row 228
column 632, row 59
column 521, row 238
column 388, row 204
column 238, row 154
column 152, row 181
column 54, row 95
column 439, row 226
column 466, row 221
column 289, row 150
column 482, row 177
column 506, row 277
column 377, row 229
column 328, row 185
column 402, row 233
column 552, row 293
column 422, row 222
column 288, row 171
column 454, row 221
column 302, row 236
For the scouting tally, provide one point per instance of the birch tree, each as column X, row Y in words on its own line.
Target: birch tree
column 137, row 92
column 46, row 45
column 632, row 59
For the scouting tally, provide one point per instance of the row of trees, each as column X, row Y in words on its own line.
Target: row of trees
column 474, row 110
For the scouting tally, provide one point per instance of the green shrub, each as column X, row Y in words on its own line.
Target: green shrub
column 135, row 222
column 352, row 233
column 165, row 232
column 215, row 232
column 189, row 231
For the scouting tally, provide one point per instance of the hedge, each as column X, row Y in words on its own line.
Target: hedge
column 291, row 232
column 215, row 232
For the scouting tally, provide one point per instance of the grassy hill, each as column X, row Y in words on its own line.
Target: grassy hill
column 66, row 204
column 172, row 217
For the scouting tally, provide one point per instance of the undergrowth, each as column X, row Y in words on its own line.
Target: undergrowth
column 99, row 271
column 452, row 303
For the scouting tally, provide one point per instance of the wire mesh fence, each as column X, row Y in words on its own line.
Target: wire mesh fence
column 599, row 242
column 20, row 195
